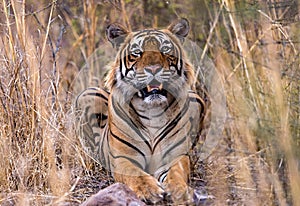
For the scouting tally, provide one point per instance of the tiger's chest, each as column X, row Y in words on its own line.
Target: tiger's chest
column 154, row 135
column 155, row 119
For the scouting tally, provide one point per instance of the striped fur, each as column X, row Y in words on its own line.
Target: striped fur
column 144, row 127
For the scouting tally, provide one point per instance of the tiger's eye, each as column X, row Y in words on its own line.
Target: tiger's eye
column 136, row 53
column 165, row 49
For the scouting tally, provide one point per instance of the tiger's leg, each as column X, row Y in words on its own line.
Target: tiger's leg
column 176, row 182
column 91, row 120
column 128, row 163
column 143, row 184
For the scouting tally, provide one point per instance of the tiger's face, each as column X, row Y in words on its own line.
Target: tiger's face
column 150, row 64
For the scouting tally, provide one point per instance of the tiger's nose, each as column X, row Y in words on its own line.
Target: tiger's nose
column 153, row 69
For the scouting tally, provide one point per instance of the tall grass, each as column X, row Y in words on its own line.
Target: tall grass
column 252, row 61
column 255, row 48
column 35, row 167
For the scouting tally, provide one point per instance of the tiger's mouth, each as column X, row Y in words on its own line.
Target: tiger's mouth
column 153, row 89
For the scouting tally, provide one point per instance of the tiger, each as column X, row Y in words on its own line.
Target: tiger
column 142, row 124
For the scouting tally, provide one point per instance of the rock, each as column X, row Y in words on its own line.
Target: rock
column 116, row 194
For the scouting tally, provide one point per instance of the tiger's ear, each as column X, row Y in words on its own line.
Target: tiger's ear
column 116, row 34
column 180, row 28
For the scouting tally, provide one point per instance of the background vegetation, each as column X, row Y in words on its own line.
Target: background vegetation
column 255, row 48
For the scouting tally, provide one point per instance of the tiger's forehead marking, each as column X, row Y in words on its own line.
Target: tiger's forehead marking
column 149, row 32
column 140, row 37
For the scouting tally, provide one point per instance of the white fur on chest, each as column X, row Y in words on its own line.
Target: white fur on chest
column 155, row 117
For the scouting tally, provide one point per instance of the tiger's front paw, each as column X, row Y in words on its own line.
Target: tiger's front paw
column 180, row 192
column 148, row 188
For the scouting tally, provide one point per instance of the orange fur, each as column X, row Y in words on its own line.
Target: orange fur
column 146, row 144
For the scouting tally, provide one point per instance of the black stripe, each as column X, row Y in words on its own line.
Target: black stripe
column 127, row 55
column 174, row 133
column 121, row 62
column 172, row 124
column 177, row 118
column 139, row 115
column 164, row 172
column 124, row 116
column 98, row 116
column 168, row 107
column 96, row 125
column 181, row 64
column 130, row 59
column 195, row 99
column 146, row 32
column 199, row 101
column 121, row 131
column 128, row 144
column 86, row 112
column 136, row 163
column 96, row 89
column 161, row 138
column 97, row 94
column 174, row 146
column 102, row 126
column 105, row 156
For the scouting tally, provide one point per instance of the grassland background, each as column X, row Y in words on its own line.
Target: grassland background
column 253, row 44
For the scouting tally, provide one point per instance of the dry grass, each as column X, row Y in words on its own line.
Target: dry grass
column 255, row 48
